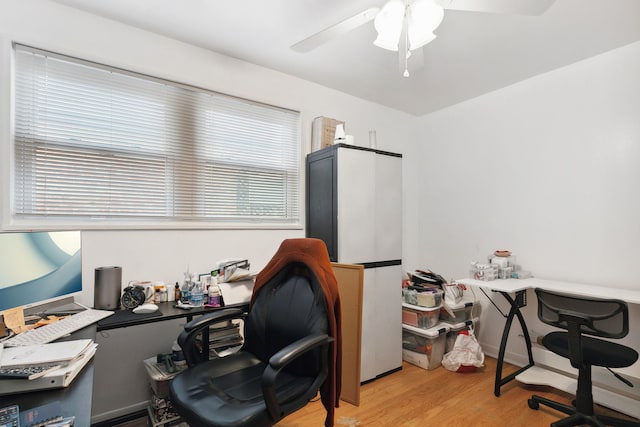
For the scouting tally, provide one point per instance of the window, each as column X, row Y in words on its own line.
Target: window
column 95, row 142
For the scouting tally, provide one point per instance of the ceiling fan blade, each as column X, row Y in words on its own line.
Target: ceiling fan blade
column 336, row 30
column 519, row 7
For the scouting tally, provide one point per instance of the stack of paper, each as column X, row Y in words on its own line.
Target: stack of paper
column 236, row 292
column 41, row 366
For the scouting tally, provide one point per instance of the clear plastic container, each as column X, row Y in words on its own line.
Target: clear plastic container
column 428, row 297
column 457, row 313
column 197, row 296
column 420, row 317
column 424, row 348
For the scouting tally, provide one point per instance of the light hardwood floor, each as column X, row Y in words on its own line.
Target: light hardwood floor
column 416, row 397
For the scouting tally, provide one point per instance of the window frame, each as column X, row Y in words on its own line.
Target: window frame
column 11, row 220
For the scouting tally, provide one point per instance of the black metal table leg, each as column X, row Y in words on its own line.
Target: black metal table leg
column 516, row 304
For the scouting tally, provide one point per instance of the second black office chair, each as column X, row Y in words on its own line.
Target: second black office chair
column 581, row 317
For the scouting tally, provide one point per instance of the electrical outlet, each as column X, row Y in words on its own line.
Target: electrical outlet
column 536, row 336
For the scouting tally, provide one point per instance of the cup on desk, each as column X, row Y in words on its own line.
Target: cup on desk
column 149, row 289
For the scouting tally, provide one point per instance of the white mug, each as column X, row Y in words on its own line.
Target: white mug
column 149, row 289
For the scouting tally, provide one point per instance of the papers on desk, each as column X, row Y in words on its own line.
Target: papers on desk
column 70, row 358
column 236, row 292
column 61, row 352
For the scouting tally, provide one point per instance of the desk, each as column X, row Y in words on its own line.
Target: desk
column 519, row 288
column 74, row 400
column 124, row 318
column 124, row 342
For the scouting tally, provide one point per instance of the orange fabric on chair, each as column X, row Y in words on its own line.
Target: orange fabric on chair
column 313, row 253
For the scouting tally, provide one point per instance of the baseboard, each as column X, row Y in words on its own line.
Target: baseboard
column 516, row 359
column 611, row 392
column 119, row 415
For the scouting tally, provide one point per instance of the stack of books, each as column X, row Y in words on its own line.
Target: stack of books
column 43, row 366
column 224, row 338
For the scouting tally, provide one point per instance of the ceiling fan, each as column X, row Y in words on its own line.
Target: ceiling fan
column 406, row 26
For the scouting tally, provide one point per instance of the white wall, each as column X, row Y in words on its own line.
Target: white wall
column 161, row 254
column 547, row 168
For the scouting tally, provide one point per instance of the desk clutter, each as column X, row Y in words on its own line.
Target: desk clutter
column 434, row 313
column 43, row 366
column 46, row 415
column 500, row 265
column 223, row 339
column 229, row 282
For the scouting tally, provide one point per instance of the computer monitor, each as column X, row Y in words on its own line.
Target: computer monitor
column 38, row 267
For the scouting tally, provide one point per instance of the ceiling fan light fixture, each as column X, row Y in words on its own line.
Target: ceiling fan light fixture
column 423, row 17
column 417, row 39
column 388, row 23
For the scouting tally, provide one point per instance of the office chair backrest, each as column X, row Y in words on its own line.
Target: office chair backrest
column 599, row 317
column 289, row 307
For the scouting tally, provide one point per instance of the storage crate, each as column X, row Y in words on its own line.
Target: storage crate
column 420, row 317
column 424, row 297
column 159, row 378
column 456, row 313
column 424, row 347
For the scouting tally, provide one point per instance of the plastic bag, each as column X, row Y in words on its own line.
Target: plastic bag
column 466, row 355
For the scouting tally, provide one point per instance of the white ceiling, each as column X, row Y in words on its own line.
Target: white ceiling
column 474, row 52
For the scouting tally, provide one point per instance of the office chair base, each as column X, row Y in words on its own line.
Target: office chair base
column 577, row 419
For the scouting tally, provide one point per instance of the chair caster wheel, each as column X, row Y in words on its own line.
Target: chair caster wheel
column 533, row 404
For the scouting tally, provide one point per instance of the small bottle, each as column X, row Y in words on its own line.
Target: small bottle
column 176, row 293
column 197, row 295
column 185, row 294
column 164, row 295
column 214, row 296
column 177, row 355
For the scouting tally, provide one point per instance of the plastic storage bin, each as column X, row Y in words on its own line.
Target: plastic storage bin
column 456, row 313
column 424, row 348
column 420, row 317
column 424, row 297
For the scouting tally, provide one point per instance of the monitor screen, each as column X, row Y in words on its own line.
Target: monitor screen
column 36, row 267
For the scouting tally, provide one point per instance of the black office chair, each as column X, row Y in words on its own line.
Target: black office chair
column 281, row 366
column 581, row 317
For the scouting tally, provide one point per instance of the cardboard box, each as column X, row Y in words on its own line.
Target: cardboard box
column 323, row 131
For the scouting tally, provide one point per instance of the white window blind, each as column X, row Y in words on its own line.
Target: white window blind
column 93, row 141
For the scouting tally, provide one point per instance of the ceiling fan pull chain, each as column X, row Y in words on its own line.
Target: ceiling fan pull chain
column 407, row 54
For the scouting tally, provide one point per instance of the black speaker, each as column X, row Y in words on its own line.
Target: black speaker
column 108, row 283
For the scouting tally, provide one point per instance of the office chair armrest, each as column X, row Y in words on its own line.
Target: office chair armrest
column 286, row 355
column 280, row 360
column 214, row 317
column 192, row 329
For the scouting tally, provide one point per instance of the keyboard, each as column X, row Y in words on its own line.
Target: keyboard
column 53, row 331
